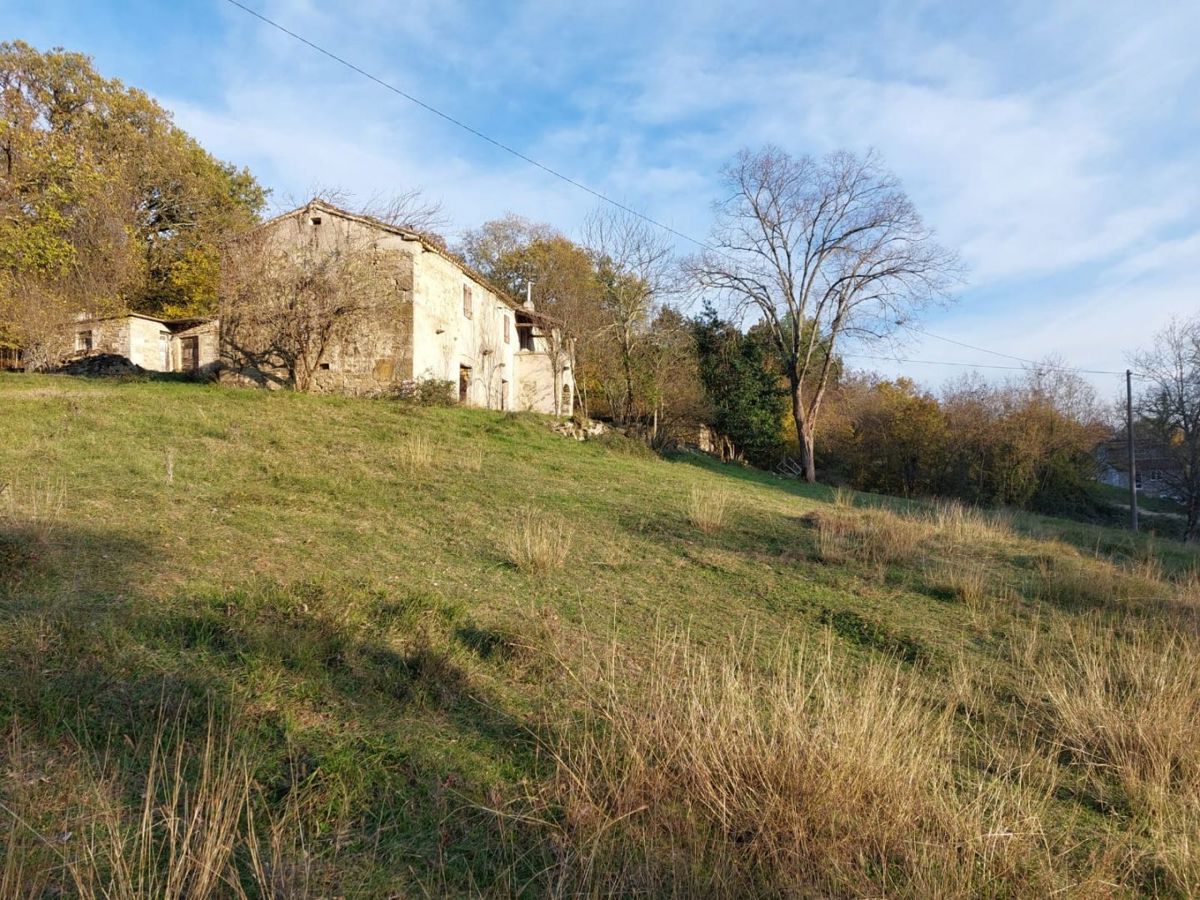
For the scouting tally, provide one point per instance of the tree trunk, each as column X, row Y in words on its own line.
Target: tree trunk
column 804, row 432
column 627, row 365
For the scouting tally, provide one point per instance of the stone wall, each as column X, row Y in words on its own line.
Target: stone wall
column 372, row 349
column 149, row 344
column 108, row 336
column 447, row 341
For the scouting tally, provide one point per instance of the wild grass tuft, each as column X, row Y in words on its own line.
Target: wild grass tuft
column 872, row 537
column 190, row 831
column 414, row 453
column 1124, row 703
column 36, row 509
column 706, row 509
column 843, row 498
column 538, row 542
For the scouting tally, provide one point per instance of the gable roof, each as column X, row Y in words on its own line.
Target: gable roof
column 407, row 234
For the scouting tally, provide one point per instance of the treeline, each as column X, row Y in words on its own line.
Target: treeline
column 1027, row 443
column 105, row 205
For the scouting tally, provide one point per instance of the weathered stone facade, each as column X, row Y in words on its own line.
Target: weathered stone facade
column 157, row 345
column 428, row 317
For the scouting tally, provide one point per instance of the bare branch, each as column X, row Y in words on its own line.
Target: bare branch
column 819, row 250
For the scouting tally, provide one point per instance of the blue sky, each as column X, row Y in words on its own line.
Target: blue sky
column 1056, row 145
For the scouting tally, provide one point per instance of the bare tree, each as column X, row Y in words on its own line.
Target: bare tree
column 820, row 250
column 285, row 306
column 633, row 262
column 1169, row 409
column 411, row 209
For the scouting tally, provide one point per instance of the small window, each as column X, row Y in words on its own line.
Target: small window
column 316, row 220
column 324, row 366
column 506, row 330
column 467, row 301
column 83, row 341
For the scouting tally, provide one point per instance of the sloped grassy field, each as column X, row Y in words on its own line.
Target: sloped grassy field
column 259, row 644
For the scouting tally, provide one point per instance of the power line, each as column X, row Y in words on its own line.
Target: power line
column 469, row 129
column 917, row 328
column 621, row 206
column 933, row 362
column 972, row 365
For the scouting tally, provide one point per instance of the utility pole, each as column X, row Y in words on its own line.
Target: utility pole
column 1133, row 512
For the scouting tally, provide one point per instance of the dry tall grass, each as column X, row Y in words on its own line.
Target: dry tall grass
column 872, row 537
column 969, row 524
column 37, row 508
column 538, row 542
column 706, row 508
column 712, row 777
column 193, row 834
column 1124, row 702
column 414, row 453
column 965, row 581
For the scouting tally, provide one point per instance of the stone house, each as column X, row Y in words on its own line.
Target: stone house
column 390, row 307
column 158, row 345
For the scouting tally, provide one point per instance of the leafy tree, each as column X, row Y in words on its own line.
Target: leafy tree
column 104, row 203
column 632, row 262
column 565, row 288
column 745, row 395
column 891, row 437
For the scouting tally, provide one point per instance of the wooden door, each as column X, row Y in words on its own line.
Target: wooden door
column 190, row 351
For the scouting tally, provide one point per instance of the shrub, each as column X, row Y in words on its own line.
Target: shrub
column 425, row 392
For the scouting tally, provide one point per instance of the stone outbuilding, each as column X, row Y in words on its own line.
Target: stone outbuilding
column 411, row 311
column 157, row 345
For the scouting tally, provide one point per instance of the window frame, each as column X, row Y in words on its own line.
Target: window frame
column 468, row 303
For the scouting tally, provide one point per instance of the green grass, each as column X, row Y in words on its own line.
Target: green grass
column 1119, row 496
column 327, row 580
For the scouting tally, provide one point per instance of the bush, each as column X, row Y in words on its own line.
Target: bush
column 425, row 392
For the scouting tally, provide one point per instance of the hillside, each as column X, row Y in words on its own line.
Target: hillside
column 407, row 651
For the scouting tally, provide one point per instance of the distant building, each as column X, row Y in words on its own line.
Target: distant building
column 158, row 345
column 430, row 317
column 1157, row 469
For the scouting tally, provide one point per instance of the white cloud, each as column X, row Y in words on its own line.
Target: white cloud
column 1053, row 144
